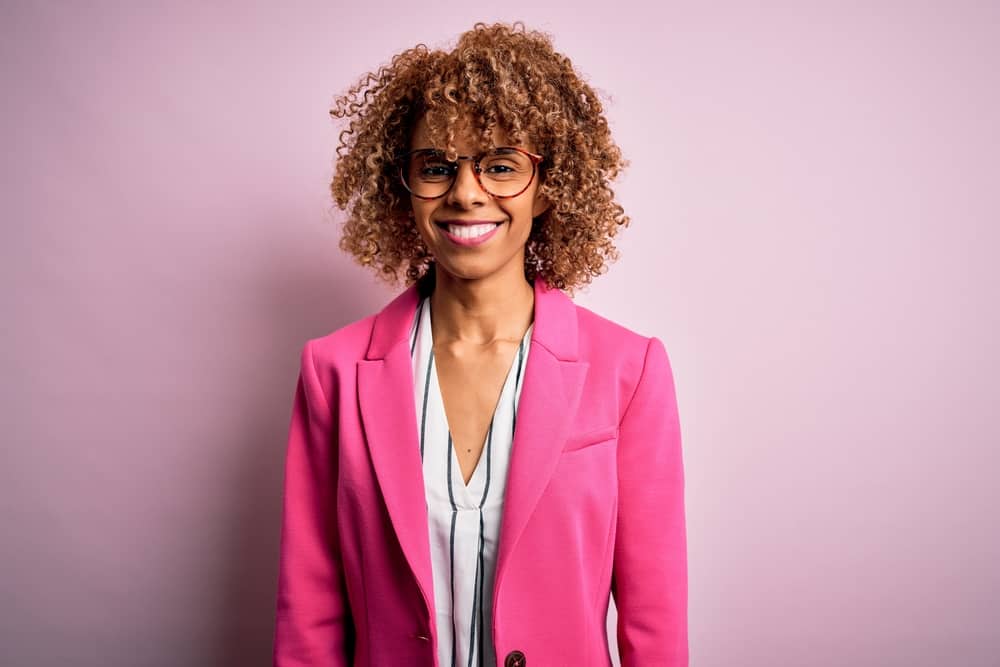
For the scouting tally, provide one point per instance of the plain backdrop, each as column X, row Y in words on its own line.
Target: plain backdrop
column 813, row 191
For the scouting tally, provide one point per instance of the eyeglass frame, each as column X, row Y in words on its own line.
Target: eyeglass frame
column 476, row 169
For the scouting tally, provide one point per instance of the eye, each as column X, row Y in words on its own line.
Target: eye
column 505, row 165
column 431, row 166
column 438, row 169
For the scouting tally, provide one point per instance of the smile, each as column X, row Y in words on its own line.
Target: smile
column 467, row 235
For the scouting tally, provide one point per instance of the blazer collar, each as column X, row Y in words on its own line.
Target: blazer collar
column 553, row 380
column 555, row 322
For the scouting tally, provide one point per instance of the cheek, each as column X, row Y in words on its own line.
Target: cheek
column 430, row 234
column 422, row 214
column 426, row 235
column 518, row 209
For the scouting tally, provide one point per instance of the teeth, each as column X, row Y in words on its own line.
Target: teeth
column 470, row 231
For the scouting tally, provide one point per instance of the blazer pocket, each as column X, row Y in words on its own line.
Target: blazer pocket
column 591, row 438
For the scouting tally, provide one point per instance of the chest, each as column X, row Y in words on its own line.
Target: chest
column 471, row 381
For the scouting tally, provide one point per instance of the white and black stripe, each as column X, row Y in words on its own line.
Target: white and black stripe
column 464, row 520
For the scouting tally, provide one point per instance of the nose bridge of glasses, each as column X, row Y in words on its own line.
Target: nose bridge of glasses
column 473, row 162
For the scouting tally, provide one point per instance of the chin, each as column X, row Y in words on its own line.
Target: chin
column 467, row 272
column 475, row 269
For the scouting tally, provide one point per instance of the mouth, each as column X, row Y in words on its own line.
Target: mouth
column 469, row 234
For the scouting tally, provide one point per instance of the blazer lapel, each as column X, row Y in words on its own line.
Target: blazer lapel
column 553, row 379
column 388, row 414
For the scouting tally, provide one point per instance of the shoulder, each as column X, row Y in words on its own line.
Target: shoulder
column 344, row 345
column 600, row 335
column 329, row 362
column 611, row 347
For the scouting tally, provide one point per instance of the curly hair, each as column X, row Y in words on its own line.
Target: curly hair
column 502, row 75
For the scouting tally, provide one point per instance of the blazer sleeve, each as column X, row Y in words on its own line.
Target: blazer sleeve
column 313, row 622
column 649, row 575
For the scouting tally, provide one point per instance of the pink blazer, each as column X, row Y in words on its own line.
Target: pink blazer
column 594, row 503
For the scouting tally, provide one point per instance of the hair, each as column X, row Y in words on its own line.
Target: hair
column 500, row 75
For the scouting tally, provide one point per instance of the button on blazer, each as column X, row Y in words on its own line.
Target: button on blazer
column 594, row 503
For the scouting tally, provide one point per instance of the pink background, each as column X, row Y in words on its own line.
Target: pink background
column 814, row 202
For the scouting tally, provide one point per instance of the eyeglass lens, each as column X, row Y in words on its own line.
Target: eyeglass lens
column 503, row 172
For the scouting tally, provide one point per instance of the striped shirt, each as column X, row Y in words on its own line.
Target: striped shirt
column 463, row 521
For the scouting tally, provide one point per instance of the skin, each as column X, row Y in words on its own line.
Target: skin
column 482, row 303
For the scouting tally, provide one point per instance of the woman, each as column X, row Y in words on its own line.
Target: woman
column 473, row 471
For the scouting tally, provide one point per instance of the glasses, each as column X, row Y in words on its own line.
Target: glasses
column 502, row 172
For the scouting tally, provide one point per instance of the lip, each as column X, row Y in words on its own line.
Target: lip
column 479, row 240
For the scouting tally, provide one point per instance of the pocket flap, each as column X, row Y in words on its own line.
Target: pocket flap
column 591, row 437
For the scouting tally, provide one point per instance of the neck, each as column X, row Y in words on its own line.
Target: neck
column 480, row 311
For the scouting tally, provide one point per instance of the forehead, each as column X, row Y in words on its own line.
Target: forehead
column 467, row 138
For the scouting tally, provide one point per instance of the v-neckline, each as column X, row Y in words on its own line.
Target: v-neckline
column 467, row 488
column 486, row 444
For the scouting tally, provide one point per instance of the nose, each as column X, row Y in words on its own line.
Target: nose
column 465, row 191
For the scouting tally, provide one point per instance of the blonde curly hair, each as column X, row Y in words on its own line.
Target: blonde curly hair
column 502, row 75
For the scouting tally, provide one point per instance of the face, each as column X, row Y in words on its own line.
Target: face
column 501, row 249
